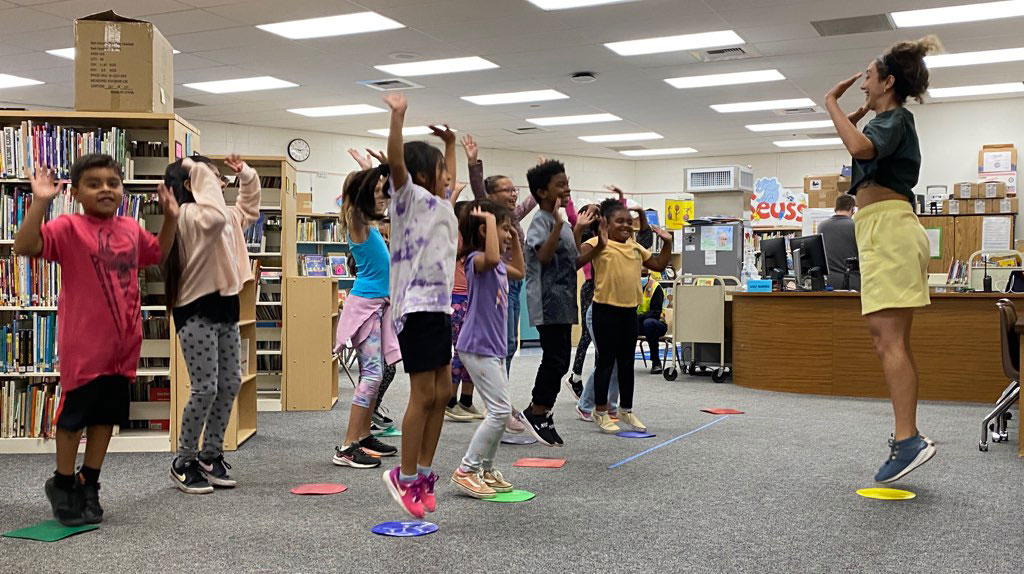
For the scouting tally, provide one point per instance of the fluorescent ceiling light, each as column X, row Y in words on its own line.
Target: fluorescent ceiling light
column 327, row 111
column 622, row 137
column 676, row 43
column 762, row 106
column 821, row 142
column 69, row 53
column 516, row 97
column 430, row 67
column 786, row 126
column 984, row 90
column 971, row 58
column 8, row 81
column 342, row 25
column 566, row 4
column 574, row 120
column 954, row 14
column 407, row 131
column 726, row 79
column 241, row 85
column 654, row 152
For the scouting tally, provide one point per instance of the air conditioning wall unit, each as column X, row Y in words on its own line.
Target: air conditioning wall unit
column 724, row 178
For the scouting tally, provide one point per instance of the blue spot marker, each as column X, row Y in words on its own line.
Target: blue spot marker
column 405, row 529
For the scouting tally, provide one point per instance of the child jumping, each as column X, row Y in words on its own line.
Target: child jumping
column 423, row 239
column 365, row 323
column 486, row 231
column 204, row 274
column 99, row 335
column 618, row 259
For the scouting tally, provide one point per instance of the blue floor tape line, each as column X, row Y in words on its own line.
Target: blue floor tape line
column 668, row 442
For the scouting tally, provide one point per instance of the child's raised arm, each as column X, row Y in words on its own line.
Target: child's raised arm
column 589, row 252
column 491, row 256
column 448, row 136
column 29, row 239
column 661, row 262
column 516, row 268
column 170, row 226
column 396, row 151
column 546, row 252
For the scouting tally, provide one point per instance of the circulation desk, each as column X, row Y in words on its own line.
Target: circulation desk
column 818, row 343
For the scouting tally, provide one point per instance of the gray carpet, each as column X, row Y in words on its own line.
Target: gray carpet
column 769, row 491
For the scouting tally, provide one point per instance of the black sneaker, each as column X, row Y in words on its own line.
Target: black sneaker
column 188, row 479
column 91, row 511
column 381, row 420
column 555, row 439
column 656, row 369
column 355, row 457
column 67, row 505
column 374, row 447
column 575, row 387
column 539, row 426
column 216, row 472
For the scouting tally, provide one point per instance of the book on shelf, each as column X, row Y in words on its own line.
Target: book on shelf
column 28, row 409
column 320, row 230
column 268, row 313
column 314, row 266
column 28, row 282
column 338, row 265
column 15, row 200
column 30, row 143
column 28, row 344
column 254, row 234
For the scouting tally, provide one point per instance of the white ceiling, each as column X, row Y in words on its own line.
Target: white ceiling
column 535, row 50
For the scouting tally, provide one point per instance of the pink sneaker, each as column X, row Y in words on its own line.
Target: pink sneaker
column 408, row 497
column 426, row 489
column 513, row 425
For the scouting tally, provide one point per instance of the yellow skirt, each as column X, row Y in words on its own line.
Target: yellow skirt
column 894, row 257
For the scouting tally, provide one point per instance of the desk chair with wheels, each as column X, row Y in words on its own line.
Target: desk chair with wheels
column 1009, row 340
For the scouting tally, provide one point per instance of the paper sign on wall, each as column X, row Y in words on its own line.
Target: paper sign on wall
column 716, row 238
column 677, row 242
column 772, row 205
column 711, row 257
column 934, row 241
column 995, row 234
column 677, row 213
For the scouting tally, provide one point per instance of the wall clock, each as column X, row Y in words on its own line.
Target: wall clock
column 298, row 149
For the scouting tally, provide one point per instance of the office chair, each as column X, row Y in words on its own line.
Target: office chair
column 995, row 422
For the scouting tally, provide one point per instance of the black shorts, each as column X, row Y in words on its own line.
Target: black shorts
column 426, row 341
column 102, row 401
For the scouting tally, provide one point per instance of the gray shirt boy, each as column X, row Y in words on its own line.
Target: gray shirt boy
column 551, row 288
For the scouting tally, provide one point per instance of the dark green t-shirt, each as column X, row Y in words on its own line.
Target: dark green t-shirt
column 897, row 161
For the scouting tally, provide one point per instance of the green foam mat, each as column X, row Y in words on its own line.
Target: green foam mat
column 49, row 531
column 514, row 496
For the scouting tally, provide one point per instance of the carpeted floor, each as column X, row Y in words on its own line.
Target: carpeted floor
column 768, row 491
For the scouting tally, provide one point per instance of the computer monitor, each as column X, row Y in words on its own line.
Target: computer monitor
column 773, row 259
column 809, row 261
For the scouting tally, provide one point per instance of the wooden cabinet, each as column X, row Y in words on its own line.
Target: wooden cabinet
column 309, row 344
column 961, row 236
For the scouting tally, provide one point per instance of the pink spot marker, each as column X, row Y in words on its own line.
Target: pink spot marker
column 722, row 411
column 319, row 488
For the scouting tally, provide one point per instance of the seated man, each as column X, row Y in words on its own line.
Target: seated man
column 840, row 237
column 649, row 315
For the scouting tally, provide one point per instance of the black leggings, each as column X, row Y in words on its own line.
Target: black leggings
column 615, row 333
column 586, row 298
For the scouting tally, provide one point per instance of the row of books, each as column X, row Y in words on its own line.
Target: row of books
column 267, row 364
column 254, row 234
column 324, row 266
column 28, row 344
column 28, row 409
column 32, row 143
column 16, row 200
column 157, row 390
column 268, row 313
column 28, row 282
column 319, row 230
column 957, row 274
column 148, row 149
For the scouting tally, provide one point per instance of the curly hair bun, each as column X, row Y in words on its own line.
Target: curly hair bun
column 905, row 62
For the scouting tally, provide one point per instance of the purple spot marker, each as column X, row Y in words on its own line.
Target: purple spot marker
column 634, row 434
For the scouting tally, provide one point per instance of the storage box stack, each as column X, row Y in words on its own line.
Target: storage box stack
column 998, row 163
column 985, row 197
column 823, row 190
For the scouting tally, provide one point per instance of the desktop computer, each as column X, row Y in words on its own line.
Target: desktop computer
column 773, row 261
column 809, row 262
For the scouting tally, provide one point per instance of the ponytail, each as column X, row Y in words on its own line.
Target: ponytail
column 905, row 63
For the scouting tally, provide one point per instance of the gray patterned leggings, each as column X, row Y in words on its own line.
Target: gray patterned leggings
column 211, row 351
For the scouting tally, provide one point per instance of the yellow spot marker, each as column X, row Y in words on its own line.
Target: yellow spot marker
column 886, row 494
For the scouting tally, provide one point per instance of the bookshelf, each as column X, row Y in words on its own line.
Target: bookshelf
column 144, row 144
column 309, row 342
column 273, row 244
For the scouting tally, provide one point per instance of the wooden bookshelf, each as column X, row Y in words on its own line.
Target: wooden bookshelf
column 165, row 129
column 309, row 342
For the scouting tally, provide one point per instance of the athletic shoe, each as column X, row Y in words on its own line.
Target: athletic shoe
column 355, row 457
column 472, row 484
column 555, row 439
column 513, row 424
column 374, row 447
column 614, row 415
column 407, row 495
column 457, row 414
column 656, row 369
column 381, row 420
column 188, row 479
column 574, row 386
column 67, row 505
column 216, row 472
column 495, row 480
column 91, row 509
column 539, row 427
column 427, row 492
column 605, row 422
column 627, row 418
column 470, row 411
column 905, row 456
column 584, row 415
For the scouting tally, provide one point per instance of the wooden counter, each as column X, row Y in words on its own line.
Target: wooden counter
column 818, row 343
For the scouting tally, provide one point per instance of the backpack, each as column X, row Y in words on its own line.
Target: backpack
column 1016, row 282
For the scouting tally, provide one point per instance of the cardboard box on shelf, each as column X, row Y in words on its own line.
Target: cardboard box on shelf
column 304, row 203
column 826, row 183
column 991, row 190
column 977, row 206
column 955, row 206
column 1005, row 205
column 122, row 65
column 1009, row 179
column 997, row 158
column 964, row 190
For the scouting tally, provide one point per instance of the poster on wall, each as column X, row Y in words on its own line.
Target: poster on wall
column 677, row 213
column 813, row 216
column 772, row 205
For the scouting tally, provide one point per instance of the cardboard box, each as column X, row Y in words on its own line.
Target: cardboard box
column 1005, row 205
column 978, row 206
column 955, row 206
column 826, row 183
column 304, row 203
column 122, row 65
column 1009, row 179
column 991, row 190
column 964, row 190
column 997, row 158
